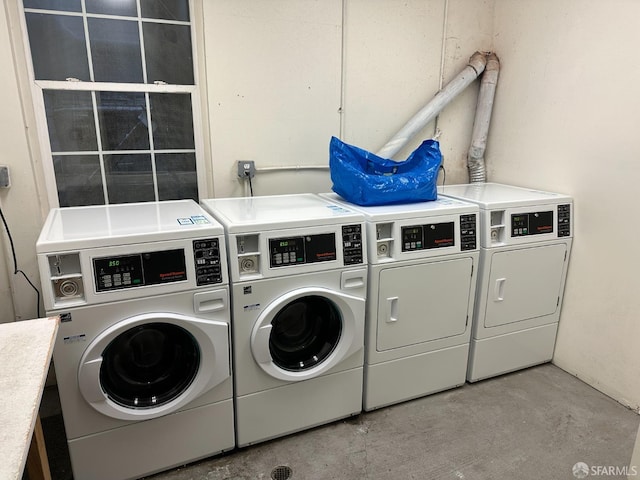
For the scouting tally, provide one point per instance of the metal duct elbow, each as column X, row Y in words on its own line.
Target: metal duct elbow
column 468, row 74
column 475, row 157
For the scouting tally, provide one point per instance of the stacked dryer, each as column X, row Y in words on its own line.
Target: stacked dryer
column 423, row 261
column 525, row 238
column 142, row 354
column 298, row 274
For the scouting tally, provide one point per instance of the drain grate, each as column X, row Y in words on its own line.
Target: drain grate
column 281, row 472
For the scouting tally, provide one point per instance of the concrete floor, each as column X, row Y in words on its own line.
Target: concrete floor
column 534, row 424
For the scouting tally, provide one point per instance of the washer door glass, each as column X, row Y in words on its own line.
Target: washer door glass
column 149, row 365
column 304, row 332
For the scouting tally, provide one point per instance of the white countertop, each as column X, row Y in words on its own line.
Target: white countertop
column 25, row 354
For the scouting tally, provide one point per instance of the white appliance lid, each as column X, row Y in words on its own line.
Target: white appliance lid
column 248, row 214
column 496, row 195
column 440, row 206
column 124, row 224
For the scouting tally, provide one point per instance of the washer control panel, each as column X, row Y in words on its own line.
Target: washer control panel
column 136, row 270
column 206, row 256
column 305, row 249
column 300, row 250
column 158, row 267
column 352, row 244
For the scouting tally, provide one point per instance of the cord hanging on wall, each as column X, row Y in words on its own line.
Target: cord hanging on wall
column 16, row 270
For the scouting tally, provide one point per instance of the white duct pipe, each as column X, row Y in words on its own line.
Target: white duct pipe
column 475, row 157
column 474, row 68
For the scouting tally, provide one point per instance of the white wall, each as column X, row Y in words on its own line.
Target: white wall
column 566, row 119
column 22, row 204
column 284, row 76
column 273, row 80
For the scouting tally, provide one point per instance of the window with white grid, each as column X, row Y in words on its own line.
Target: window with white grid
column 116, row 85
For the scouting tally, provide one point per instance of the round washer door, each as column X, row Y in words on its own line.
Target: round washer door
column 153, row 364
column 306, row 332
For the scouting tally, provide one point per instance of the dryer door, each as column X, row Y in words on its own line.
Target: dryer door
column 525, row 284
column 306, row 332
column 153, row 364
column 423, row 303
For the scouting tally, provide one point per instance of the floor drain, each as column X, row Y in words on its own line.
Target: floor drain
column 281, row 472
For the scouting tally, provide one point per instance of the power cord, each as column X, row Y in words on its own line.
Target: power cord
column 16, row 270
column 444, row 174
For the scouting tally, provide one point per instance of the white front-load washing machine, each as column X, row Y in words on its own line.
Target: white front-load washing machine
column 525, row 240
column 423, row 261
column 142, row 356
column 298, row 281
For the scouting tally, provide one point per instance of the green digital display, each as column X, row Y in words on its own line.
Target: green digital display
column 114, row 263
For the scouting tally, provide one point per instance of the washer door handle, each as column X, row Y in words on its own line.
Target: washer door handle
column 392, row 309
column 205, row 302
column 260, row 344
column 354, row 279
column 498, row 290
column 89, row 381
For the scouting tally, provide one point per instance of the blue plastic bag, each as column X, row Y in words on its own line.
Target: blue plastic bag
column 363, row 178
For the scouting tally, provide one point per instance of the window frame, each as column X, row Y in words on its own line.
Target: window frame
column 37, row 88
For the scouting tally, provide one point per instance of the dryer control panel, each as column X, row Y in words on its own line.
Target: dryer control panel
column 432, row 235
column 524, row 224
column 468, row 232
column 440, row 235
column 564, row 220
column 534, row 223
column 540, row 223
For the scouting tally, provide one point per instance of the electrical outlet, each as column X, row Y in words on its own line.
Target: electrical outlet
column 246, row 168
column 5, row 181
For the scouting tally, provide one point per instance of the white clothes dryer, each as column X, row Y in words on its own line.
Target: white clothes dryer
column 142, row 356
column 298, row 281
column 525, row 240
column 423, row 260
